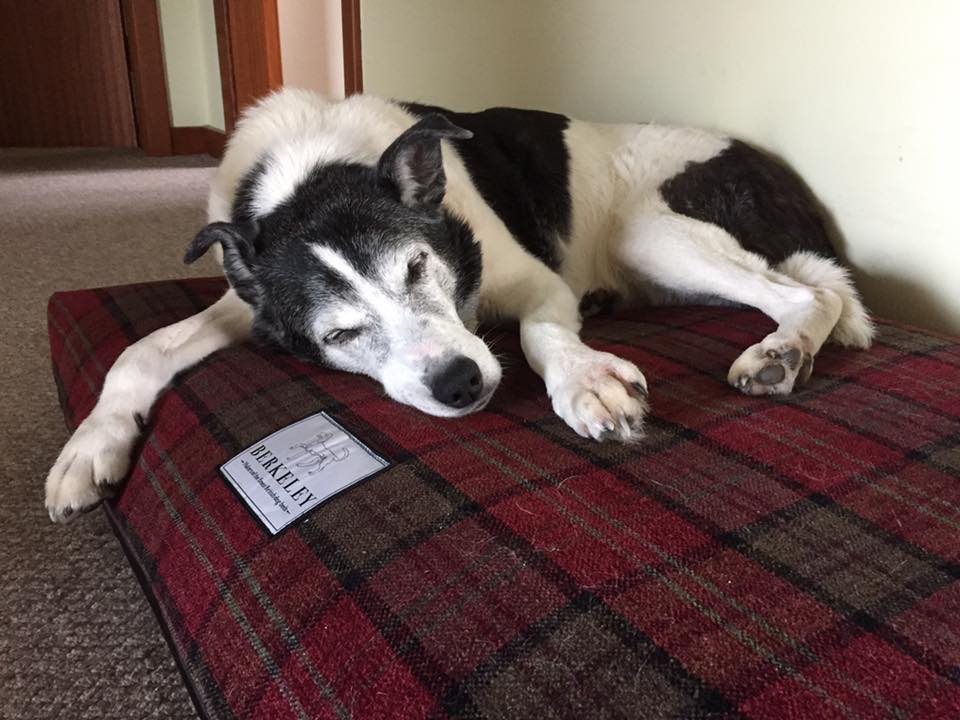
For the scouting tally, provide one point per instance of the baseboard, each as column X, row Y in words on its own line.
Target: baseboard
column 198, row 140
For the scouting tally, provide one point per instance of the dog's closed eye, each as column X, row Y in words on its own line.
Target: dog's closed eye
column 340, row 336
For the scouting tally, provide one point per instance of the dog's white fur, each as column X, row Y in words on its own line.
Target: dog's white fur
column 624, row 237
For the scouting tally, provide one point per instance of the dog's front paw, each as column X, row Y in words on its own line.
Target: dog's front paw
column 94, row 459
column 601, row 396
column 772, row 367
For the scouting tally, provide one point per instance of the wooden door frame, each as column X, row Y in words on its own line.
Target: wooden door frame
column 248, row 48
column 352, row 55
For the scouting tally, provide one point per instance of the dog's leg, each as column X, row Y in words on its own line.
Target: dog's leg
column 98, row 454
column 597, row 394
column 698, row 259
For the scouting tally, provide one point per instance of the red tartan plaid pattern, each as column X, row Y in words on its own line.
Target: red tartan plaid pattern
column 762, row 558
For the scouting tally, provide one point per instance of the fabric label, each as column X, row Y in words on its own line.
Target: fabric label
column 285, row 475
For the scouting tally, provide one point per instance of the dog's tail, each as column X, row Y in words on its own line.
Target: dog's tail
column 854, row 328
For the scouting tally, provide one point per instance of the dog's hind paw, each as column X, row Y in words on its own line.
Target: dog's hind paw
column 95, row 458
column 772, row 367
column 602, row 397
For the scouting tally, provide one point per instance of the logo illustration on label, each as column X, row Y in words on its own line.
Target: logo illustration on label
column 319, row 454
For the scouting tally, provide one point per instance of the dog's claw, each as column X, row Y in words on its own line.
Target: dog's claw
column 640, row 388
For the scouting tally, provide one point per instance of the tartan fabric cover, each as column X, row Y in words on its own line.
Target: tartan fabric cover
column 763, row 558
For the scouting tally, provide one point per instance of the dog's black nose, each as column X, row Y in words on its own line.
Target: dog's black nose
column 458, row 384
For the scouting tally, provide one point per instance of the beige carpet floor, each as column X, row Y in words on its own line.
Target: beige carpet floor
column 77, row 638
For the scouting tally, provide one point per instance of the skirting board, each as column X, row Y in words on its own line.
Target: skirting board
column 197, row 140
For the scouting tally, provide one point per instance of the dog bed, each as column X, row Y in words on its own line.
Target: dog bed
column 752, row 557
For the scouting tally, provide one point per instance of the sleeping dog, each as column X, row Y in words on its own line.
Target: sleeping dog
column 372, row 236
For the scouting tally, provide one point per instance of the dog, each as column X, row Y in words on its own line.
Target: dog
column 372, row 236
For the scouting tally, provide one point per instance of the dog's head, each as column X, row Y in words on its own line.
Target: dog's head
column 362, row 269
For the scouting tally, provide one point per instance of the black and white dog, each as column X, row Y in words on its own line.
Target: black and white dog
column 371, row 236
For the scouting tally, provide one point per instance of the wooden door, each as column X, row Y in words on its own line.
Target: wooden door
column 63, row 74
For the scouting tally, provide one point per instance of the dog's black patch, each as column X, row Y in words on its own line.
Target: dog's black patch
column 598, row 302
column 242, row 210
column 519, row 161
column 756, row 198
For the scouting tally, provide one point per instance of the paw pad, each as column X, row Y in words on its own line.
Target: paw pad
column 766, row 370
column 771, row 374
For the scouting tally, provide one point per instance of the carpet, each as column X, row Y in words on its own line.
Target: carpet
column 77, row 637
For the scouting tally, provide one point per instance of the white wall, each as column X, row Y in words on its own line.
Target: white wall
column 461, row 52
column 861, row 96
column 311, row 45
column 191, row 61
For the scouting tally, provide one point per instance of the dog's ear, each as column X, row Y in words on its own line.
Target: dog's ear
column 413, row 164
column 237, row 242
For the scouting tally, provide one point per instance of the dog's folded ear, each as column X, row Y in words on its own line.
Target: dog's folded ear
column 413, row 164
column 237, row 242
